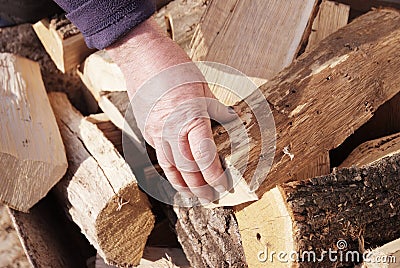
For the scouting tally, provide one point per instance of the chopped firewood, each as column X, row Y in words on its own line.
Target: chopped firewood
column 110, row 131
column 350, row 210
column 63, row 41
column 317, row 102
column 102, row 74
column 43, row 242
column 32, row 154
column 330, row 17
column 180, row 18
column 374, row 150
column 99, row 191
column 259, row 38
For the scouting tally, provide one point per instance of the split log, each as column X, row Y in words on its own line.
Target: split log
column 317, row 103
column 43, row 242
column 180, row 18
column 374, row 150
column 110, row 131
column 100, row 191
column 63, row 42
column 331, row 16
column 110, row 94
column 350, row 210
column 259, row 38
column 32, row 155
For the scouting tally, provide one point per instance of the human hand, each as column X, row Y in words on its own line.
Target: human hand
column 173, row 111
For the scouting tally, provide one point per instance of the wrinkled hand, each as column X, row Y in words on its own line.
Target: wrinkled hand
column 173, row 110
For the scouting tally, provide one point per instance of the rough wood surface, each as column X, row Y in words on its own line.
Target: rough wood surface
column 374, row 150
column 100, row 192
column 358, row 205
column 25, row 43
column 259, row 38
column 32, row 155
column 181, row 18
column 347, row 64
column 210, row 237
column 331, row 16
column 102, row 74
column 43, row 242
column 66, row 46
column 110, row 131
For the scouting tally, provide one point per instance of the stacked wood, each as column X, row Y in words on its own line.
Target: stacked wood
column 110, row 131
column 227, row 34
column 179, row 19
column 100, row 192
column 109, row 92
column 309, row 122
column 43, row 242
column 331, row 16
column 63, row 41
column 32, row 155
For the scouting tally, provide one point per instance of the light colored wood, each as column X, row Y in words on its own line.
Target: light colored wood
column 111, row 132
column 100, row 191
column 66, row 53
column 317, row 102
column 102, row 73
column 388, row 254
column 259, row 38
column 331, row 16
column 154, row 257
column 181, row 18
column 313, row 215
column 32, row 155
column 114, row 104
column 372, row 151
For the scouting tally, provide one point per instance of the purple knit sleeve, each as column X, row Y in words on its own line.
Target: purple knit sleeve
column 102, row 22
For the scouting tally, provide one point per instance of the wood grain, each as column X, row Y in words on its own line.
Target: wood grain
column 32, row 155
column 331, row 16
column 100, row 192
column 258, row 38
column 317, row 103
column 66, row 51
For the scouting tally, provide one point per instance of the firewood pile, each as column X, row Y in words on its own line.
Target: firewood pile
column 330, row 198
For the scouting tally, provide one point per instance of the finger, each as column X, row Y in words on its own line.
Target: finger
column 165, row 160
column 205, row 154
column 217, row 110
column 189, row 171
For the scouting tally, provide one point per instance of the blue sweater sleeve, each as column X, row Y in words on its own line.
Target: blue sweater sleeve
column 102, row 22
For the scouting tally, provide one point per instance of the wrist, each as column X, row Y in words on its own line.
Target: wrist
column 145, row 51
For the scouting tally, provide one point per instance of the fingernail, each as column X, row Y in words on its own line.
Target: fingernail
column 220, row 188
column 204, row 201
column 231, row 110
